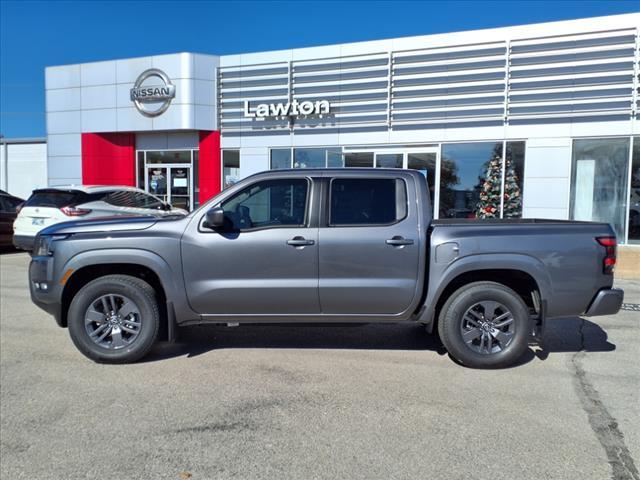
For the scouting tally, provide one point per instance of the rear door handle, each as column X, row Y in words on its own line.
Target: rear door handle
column 399, row 241
column 300, row 242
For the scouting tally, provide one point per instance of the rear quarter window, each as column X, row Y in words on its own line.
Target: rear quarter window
column 121, row 198
column 54, row 199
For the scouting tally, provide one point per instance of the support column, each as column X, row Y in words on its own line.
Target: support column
column 209, row 165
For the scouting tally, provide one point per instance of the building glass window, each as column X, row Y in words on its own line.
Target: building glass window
column 634, row 194
column 280, row 158
column 230, row 167
column 389, row 160
column 169, row 156
column 364, row 159
column 335, row 158
column 471, row 180
column 467, row 171
column 599, row 181
column 309, row 158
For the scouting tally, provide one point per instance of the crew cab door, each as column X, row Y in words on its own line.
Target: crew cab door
column 369, row 245
column 264, row 261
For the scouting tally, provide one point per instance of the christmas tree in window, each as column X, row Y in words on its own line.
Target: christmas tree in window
column 491, row 187
column 489, row 201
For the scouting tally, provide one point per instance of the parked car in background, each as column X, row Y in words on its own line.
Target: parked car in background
column 48, row 206
column 8, row 211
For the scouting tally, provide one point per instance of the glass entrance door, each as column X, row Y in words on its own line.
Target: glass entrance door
column 180, row 190
column 172, row 183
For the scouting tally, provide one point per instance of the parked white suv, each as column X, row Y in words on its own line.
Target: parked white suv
column 48, row 206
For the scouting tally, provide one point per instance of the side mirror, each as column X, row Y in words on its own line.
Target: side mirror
column 166, row 207
column 214, row 218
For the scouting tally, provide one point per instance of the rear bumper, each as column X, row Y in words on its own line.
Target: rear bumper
column 606, row 302
column 24, row 242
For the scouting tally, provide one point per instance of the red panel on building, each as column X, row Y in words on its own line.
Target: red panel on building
column 210, row 175
column 109, row 159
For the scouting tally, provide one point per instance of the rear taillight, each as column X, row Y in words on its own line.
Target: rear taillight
column 609, row 262
column 19, row 207
column 75, row 212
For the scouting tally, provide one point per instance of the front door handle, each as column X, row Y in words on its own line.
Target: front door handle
column 399, row 241
column 300, row 242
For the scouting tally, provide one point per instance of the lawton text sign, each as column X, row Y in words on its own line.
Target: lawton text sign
column 289, row 109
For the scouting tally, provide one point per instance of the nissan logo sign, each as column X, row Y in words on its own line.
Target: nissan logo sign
column 152, row 93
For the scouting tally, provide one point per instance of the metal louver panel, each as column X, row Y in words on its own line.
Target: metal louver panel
column 587, row 75
column 591, row 76
column 356, row 87
column 255, row 84
column 445, row 85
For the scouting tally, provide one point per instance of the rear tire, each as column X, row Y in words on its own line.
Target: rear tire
column 485, row 325
column 114, row 319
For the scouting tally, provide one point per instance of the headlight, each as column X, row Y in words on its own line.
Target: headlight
column 42, row 247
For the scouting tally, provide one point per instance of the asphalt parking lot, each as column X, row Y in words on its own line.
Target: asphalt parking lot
column 303, row 403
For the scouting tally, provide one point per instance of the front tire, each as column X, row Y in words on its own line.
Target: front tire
column 485, row 325
column 114, row 319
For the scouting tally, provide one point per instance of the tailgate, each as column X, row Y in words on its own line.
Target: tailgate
column 33, row 219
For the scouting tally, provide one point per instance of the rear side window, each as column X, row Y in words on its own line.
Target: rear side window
column 143, row 200
column 121, row 198
column 367, row 201
column 54, row 198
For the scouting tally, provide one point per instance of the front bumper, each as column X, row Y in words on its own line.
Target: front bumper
column 49, row 298
column 606, row 302
column 24, row 242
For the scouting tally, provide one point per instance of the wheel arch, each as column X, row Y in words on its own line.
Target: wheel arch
column 88, row 273
column 519, row 281
column 145, row 265
column 524, row 274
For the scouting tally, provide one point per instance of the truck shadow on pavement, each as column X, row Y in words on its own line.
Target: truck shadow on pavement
column 572, row 334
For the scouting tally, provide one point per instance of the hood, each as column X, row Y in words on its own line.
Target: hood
column 117, row 223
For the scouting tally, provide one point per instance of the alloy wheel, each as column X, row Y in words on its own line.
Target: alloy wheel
column 487, row 327
column 113, row 321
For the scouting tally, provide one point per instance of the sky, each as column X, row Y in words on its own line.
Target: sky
column 34, row 35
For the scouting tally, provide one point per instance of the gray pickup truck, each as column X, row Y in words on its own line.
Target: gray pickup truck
column 328, row 246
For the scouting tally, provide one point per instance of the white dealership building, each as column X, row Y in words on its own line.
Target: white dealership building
column 536, row 120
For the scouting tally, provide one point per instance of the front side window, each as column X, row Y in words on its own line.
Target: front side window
column 272, row 203
column 367, row 201
column 599, row 181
